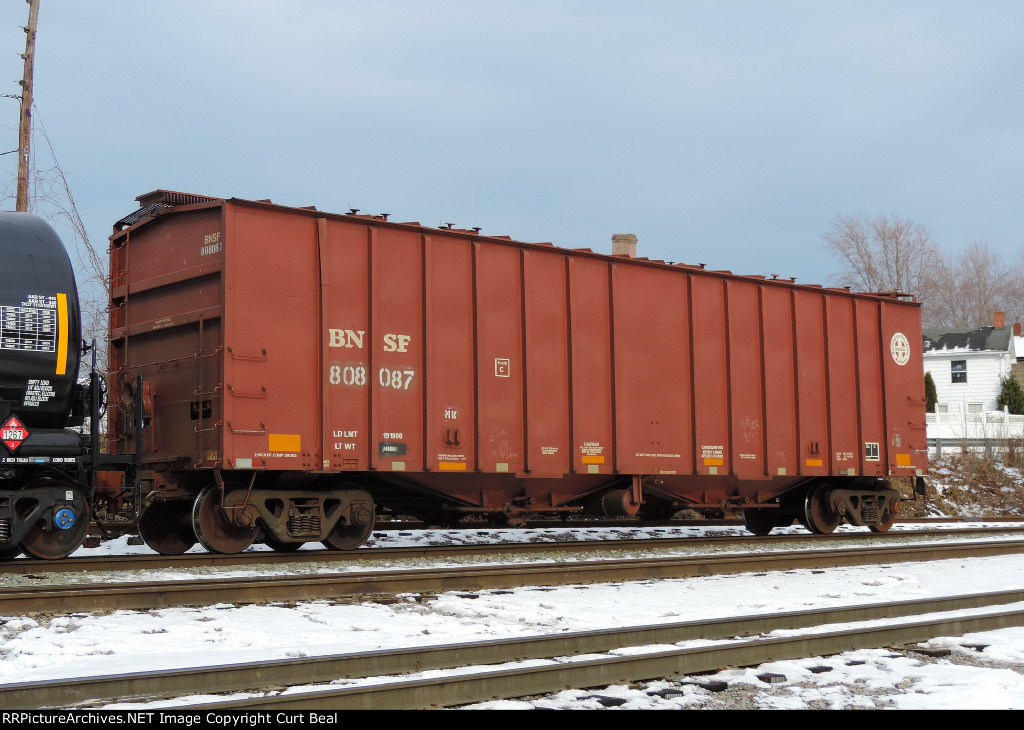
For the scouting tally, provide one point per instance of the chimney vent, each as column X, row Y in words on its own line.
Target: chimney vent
column 624, row 244
column 1016, row 329
column 1000, row 320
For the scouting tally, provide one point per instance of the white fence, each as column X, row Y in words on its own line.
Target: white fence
column 977, row 431
column 988, row 425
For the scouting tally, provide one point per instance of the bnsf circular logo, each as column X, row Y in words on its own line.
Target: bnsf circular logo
column 899, row 346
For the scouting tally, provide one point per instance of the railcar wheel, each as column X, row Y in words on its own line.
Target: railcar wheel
column 886, row 524
column 66, row 532
column 759, row 521
column 167, row 527
column 820, row 518
column 213, row 531
column 656, row 509
column 348, row 535
column 282, row 547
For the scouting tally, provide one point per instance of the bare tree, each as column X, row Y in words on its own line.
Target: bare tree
column 974, row 286
column 885, row 253
column 50, row 197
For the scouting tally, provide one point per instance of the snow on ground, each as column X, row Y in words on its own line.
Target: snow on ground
column 42, row 647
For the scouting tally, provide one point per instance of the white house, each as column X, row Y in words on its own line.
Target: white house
column 968, row 367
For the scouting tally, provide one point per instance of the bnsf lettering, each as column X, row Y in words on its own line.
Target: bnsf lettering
column 211, row 245
column 346, row 338
column 355, row 339
column 396, row 343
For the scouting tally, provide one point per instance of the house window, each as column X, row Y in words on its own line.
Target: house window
column 942, row 408
column 959, row 371
column 974, row 407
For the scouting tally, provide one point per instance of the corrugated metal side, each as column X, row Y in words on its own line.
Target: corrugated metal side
column 903, row 374
column 653, row 390
column 350, row 344
column 546, row 344
column 166, row 313
column 746, row 379
column 272, row 413
column 591, row 365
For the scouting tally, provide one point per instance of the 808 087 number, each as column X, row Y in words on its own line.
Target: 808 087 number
column 397, row 379
column 355, row 375
column 347, row 375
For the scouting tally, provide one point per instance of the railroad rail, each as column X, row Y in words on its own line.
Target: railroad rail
column 292, row 588
column 109, row 563
column 489, row 684
column 118, row 528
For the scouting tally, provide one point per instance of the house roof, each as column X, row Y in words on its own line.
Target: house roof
column 968, row 340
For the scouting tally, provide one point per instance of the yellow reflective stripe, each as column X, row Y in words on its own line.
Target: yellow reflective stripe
column 62, row 334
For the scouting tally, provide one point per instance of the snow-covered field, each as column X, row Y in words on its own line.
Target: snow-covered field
column 41, row 647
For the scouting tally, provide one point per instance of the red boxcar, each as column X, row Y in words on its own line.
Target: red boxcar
column 300, row 368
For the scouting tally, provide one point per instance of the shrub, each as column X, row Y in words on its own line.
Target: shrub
column 1012, row 396
column 931, row 396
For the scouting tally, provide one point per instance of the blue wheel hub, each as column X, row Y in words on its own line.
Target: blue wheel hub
column 64, row 518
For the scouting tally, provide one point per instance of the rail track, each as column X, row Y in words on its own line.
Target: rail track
column 291, row 588
column 119, row 528
column 115, row 563
column 479, row 682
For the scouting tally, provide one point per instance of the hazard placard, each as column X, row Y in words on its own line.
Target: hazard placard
column 12, row 433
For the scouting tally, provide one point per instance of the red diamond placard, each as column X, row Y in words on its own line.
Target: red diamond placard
column 12, row 433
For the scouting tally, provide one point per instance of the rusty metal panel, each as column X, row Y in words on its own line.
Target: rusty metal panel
column 870, row 394
column 710, row 406
column 653, row 416
column 843, row 390
column 782, row 436
column 165, row 325
column 271, row 340
column 546, row 336
column 499, row 357
column 812, row 383
column 450, row 365
column 746, row 379
column 396, row 342
column 346, row 369
column 902, row 372
column 592, row 407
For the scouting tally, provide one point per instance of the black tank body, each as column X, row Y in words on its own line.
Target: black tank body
column 40, row 323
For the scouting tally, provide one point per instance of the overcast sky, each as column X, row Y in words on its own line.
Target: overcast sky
column 729, row 132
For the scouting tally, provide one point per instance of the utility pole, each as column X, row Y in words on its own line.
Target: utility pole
column 25, row 133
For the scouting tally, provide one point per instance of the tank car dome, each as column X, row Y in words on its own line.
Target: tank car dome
column 40, row 323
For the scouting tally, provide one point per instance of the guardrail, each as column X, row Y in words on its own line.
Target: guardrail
column 989, row 445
